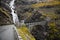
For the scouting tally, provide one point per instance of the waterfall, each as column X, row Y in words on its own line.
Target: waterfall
column 14, row 15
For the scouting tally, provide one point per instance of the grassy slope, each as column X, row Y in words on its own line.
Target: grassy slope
column 25, row 34
column 53, row 3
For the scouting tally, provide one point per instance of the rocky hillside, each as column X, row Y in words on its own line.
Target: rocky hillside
column 5, row 13
column 34, row 11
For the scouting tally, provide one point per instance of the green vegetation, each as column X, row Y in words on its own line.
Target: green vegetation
column 6, row 13
column 24, row 33
column 53, row 3
column 54, row 32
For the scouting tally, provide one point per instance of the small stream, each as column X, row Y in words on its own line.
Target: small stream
column 14, row 15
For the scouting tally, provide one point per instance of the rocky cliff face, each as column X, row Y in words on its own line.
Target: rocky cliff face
column 5, row 13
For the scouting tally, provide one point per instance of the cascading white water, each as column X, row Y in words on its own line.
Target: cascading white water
column 15, row 17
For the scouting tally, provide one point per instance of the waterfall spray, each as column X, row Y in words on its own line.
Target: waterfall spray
column 14, row 15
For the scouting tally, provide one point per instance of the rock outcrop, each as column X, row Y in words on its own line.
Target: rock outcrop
column 5, row 13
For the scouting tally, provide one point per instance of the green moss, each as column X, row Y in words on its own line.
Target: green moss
column 53, row 32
